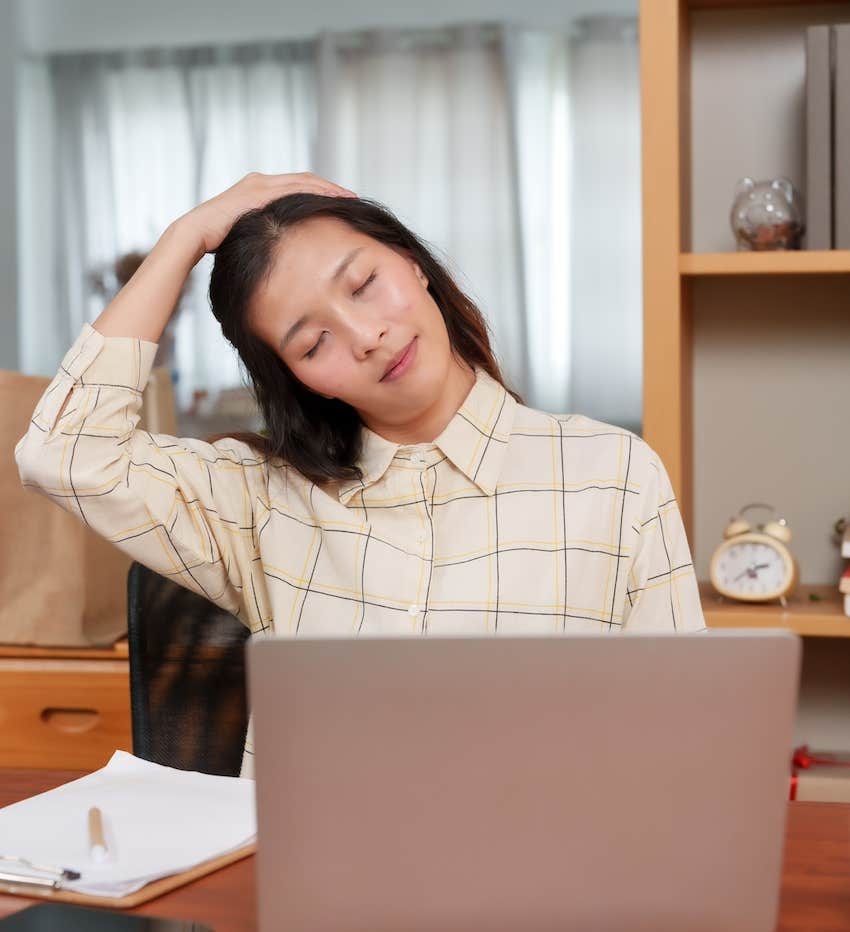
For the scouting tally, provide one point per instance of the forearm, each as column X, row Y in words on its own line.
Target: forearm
column 145, row 304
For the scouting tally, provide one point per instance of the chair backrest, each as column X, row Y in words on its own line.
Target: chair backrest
column 187, row 677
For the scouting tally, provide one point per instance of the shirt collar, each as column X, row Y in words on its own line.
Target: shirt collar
column 475, row 440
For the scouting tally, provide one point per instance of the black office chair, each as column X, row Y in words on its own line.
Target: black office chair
column 187, row 677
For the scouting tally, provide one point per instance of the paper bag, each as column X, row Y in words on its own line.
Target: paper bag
column 60, row 584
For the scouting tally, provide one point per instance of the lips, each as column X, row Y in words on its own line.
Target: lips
column 399, row 362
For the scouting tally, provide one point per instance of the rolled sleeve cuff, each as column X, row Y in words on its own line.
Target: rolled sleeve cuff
column 119, row 362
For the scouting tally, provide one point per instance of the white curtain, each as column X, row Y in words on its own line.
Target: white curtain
column 43, row 317
column 606, row 213
column 140, row 138
column 536, row 64
column 576, row 107
column 514, row 152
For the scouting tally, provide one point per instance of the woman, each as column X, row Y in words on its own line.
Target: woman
column 401, row 489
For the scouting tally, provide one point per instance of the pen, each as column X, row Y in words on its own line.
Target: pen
column 97, row 840
column 60, row 873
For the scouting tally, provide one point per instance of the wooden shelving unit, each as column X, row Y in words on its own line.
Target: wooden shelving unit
column 669, row 267
column 720, row 79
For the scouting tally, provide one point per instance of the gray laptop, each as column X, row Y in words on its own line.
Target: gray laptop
column 583, row 783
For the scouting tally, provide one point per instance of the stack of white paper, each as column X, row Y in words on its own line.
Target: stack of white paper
column 157, row 821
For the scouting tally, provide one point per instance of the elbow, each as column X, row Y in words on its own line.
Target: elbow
column 30, row 462
column 54, row 468
column 37, row 466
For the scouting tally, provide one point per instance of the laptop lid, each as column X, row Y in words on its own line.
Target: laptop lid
column 590, row 782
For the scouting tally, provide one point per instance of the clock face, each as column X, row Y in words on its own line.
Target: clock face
column 751, row 569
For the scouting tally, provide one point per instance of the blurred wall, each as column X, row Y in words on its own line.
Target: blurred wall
column 8, row 188
column 98, row 24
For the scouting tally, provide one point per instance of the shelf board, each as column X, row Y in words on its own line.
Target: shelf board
column 118, row 651
column 822, row 617
column 781, row 262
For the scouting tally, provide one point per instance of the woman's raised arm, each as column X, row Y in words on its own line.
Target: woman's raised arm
column 187, row 509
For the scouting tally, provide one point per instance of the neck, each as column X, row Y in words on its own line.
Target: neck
column 430, row 423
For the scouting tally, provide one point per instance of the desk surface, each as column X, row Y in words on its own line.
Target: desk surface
column 815, row 877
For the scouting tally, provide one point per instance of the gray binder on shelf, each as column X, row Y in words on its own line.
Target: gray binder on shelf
column 841, row 149
column 819, row 146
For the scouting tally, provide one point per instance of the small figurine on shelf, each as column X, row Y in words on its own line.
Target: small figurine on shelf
column 767, row 215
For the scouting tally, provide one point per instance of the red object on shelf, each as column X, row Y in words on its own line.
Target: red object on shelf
column 803, row 759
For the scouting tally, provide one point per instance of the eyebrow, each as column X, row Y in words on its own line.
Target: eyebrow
column 304, row 318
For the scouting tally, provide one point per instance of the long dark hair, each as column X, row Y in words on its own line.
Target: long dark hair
column 321, row 438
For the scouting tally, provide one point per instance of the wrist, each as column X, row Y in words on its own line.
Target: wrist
column 181, row 236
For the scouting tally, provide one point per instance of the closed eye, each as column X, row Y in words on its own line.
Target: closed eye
column 365, row 284
column 312, row 351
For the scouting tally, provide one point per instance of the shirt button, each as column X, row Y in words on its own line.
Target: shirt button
column 418, row 459
column 414, row 610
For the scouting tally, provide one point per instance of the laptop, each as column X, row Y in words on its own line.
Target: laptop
column 580, row 783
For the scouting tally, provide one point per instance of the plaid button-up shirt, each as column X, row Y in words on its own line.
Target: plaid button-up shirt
column 512, row 521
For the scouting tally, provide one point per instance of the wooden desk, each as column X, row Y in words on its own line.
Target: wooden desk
column 815, row 879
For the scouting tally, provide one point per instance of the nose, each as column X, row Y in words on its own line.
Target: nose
column 367, row 334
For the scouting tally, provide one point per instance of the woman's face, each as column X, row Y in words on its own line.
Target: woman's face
column 353, row 319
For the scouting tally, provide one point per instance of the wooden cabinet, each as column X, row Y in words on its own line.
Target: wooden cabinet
column 721, row 82
column 63, row 708
column 746, row 355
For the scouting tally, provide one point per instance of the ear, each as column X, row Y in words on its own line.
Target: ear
column 419, row 273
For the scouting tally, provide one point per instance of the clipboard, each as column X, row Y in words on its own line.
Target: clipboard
column 149, row 892
column 125, row 834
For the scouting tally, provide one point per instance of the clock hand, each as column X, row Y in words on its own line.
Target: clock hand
column 752, row 570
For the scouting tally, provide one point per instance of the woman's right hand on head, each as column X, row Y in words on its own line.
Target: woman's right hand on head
column 143, row 307
column 211, row 221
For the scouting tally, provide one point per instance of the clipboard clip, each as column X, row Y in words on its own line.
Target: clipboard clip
column 46, row 876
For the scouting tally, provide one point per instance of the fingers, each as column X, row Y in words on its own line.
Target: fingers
column 315, row 185
column 305, row 182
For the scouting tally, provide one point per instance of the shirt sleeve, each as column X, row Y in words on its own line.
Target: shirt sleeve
column 182, row 507
column 662, row 592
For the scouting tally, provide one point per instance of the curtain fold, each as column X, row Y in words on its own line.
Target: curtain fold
column 536, row 65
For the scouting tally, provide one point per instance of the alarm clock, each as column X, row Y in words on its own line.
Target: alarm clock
column 753, row 563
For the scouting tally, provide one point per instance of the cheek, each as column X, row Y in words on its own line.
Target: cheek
column 325, row 377
column 401, row 299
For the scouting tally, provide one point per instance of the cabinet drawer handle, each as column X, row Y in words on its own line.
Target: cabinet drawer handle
column 71, row 721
